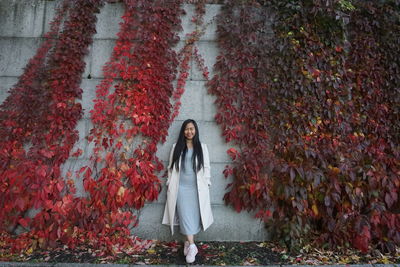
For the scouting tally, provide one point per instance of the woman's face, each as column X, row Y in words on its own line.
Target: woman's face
column 190, row 131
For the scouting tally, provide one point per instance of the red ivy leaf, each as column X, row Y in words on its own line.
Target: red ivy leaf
column 77, row 153
column 232, row 153
column 24, row 222
column 41, row 171
column 47, row 153
column 361, row 241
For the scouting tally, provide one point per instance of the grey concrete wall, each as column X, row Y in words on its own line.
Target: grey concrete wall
column 22, row 25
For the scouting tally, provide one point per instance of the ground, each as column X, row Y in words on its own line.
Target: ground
column 210, row 253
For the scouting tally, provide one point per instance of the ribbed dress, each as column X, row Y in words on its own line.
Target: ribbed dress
column 187, row 203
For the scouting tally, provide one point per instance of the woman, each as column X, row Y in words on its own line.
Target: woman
column 188, row 187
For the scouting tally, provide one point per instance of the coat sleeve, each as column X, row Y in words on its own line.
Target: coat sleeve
column 171, row 154
column 207, row 173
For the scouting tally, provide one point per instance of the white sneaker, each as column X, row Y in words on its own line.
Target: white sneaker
column 186, row 248
column 191, row 255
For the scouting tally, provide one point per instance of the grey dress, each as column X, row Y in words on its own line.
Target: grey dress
column 187, row 203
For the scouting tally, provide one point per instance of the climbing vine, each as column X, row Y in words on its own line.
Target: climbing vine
column 313, row 109
column 130, row 120
column 35, row 144
column 190, row 51
column 20, row 126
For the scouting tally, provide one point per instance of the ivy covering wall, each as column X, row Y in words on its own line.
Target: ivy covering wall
column 131, row 116
column 315, row 114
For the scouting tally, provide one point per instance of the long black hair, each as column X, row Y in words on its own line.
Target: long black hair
column 181, row 148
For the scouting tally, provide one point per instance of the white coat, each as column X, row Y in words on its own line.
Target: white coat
column 203, row 182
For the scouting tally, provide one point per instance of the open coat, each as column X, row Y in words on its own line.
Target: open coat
column 203, row 183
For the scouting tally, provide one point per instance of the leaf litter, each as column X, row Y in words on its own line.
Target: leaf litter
column 155, row 252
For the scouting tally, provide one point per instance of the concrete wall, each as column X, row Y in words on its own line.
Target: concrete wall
column 22, row 25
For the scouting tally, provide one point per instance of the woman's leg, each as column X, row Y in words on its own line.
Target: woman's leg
column 190, row 238
column 192, row 249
